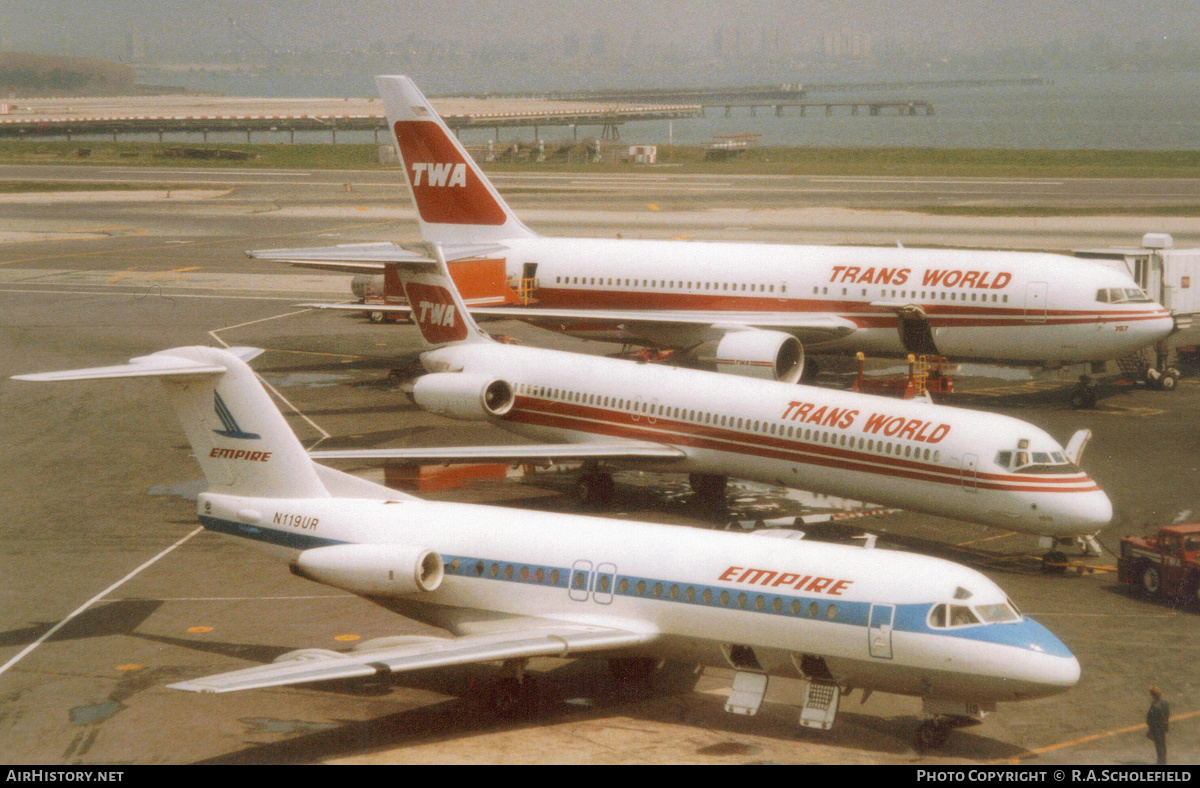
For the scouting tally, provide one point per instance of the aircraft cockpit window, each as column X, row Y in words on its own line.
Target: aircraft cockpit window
column 961, row 593
column 1136, row 294
column 945, row 616
column 995, row 614
column 961, row 616
column 1102, row 295
column 937, row 617
column 1035, row 462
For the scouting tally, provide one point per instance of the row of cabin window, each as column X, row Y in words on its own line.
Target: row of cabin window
column 932, row 295
column 604, row 586
column 670, row 285
column 753, row 425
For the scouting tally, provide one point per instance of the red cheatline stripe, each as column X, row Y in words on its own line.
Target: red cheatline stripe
column 621, row 418
column 542, row 413
column 858, row 311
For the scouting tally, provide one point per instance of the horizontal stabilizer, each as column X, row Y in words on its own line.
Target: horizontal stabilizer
column 157, row 365
column 630, row 450
column 540, row 639
column 372, row 257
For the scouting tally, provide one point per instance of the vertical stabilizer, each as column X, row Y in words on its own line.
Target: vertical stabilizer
column 456, row 203
column 241, row 440
column 437, row 307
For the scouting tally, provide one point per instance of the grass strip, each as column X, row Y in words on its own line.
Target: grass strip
column 901, row 162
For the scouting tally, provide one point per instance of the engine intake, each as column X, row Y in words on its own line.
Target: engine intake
column 756, row 353
column 461, row 395
column 372, row 569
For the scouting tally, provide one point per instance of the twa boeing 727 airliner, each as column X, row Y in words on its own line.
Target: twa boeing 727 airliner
column 509, row 585
column 981, row 467
column 753, row 309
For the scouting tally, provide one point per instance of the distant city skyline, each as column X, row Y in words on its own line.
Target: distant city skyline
column 166, row 31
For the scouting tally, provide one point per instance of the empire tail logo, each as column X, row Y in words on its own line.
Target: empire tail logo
column 445, row 186
column 436, row 315
column 232, row 430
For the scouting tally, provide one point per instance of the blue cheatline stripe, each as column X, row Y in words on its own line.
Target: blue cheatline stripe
column 295, row 541
column 845, row 612
column 1025, row 634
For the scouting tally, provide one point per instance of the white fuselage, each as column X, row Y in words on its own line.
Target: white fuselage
column 865, row 612
column 910, row 454
column 1013, row 307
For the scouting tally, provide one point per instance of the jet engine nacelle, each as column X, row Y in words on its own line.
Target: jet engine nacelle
column 462, row 395
column 365, row 285
column 755, row 353
column 372, row 569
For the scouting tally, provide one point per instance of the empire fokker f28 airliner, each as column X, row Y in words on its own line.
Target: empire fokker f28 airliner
column 752, row 309
column 510, row 585
column 981, row 467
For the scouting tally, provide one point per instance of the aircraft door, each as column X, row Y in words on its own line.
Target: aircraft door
column 970, row 472
column 581, row 581
column 879, row 632
column 527, row 286
column 651, row 416
column 606, row 578
column 1035, row 302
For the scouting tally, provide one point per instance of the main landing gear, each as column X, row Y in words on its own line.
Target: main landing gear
column 513, row 694
column 1084, row 395
column 709, row 487
column 594, row 488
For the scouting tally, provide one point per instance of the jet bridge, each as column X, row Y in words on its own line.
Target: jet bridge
column 1172, row 278
column 1168, row 275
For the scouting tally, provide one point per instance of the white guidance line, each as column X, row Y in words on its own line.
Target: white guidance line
column 91, row 602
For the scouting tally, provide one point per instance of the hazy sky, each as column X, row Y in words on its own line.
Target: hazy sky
column 100, row 27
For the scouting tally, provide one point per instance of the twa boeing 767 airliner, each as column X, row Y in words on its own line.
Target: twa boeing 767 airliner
column 981, row 467
column 752, row 309
column 510, row 585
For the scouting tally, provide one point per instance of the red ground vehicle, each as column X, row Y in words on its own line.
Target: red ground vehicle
column 1164, row 565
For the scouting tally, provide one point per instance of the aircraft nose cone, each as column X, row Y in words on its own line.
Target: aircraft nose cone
column 1092, row 512
column 1055, row 668
column 1073, row 514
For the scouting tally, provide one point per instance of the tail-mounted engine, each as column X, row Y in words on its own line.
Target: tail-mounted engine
column 756, row 353
column 372, row 569
column 461, row 395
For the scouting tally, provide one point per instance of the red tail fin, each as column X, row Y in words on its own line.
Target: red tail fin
column 455, row 200
column 435, row 313
column 444, row 188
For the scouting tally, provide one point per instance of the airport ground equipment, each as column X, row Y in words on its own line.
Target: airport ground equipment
column 1164, row 565
column 1171, row 277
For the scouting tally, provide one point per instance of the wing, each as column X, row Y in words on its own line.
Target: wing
column 624, row 450
column 529, row 638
